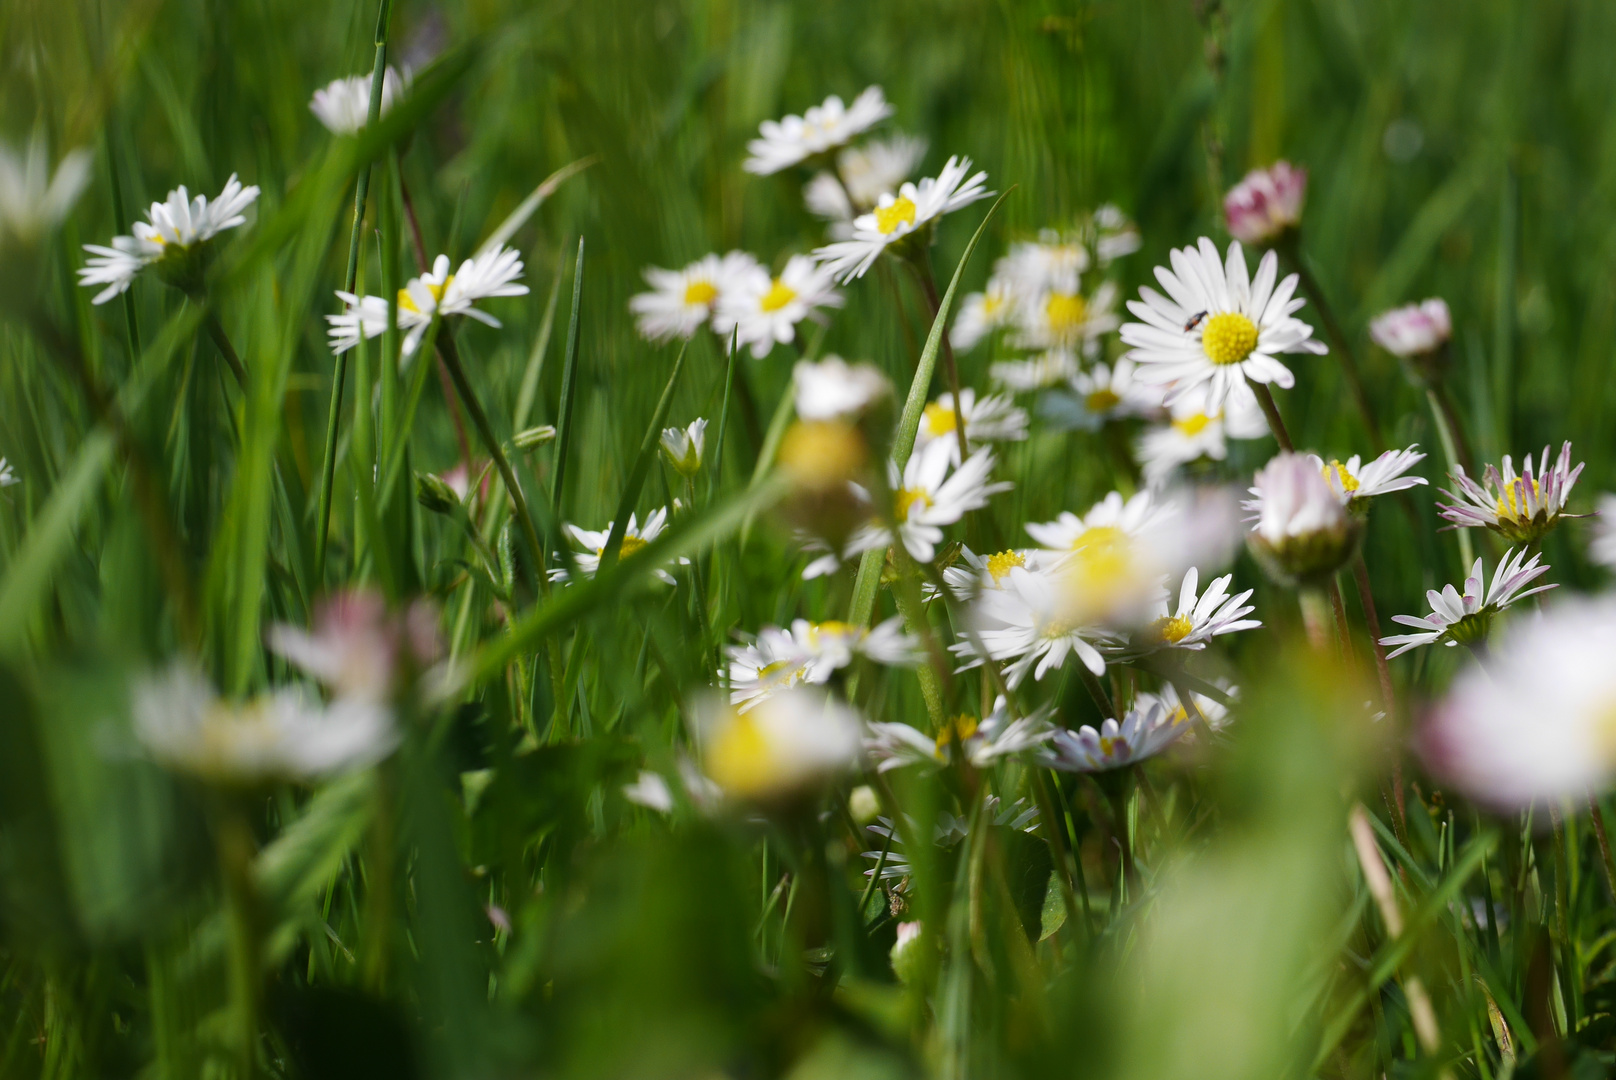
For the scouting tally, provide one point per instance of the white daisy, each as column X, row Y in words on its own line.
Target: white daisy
column 356, row 646
column 784, row 143
column 863, row 174
column 1103, row 393
column 764, row 310
column 1108, row 522
column 8, row 475
column 683, row 301
column 1053, row 319
column 972, row 573
column 1266, row 203
column 438, row 292
column 172, row 237
column 1195, row 432
column 794, row 741
column 1114, row 234
column 343, row 105
column 634, row 539
column 1532, row 724
column 1215, row 713
column 651, row 791
column 1054, row 263
column 1215, row 325
column 1414, row 329
column 998, row 735
column 981, row 313
column 1355, row 482
column 930, row 494
column 898, row 216
column 683, row 446
column 1024, row 623
column 1522, row 509
column 1467, row 619
column 833, row 389
column 32, row 201
column 811, row 652
column 1148, row 728
column 994, row 418
column 1040, row 372
column 1199, row 617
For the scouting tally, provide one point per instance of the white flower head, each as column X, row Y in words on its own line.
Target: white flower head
column 1521, row 508
column 764, row 310
column 683, row 301
column 8, row 475
column 994, row 418
column 1114, row 234
column 1533, row 724
column 172, row 237
column 1199, row 617
column 981, row 313
column 32, row 200
column 998, row 735
column 1026, row 623
column 784, row 143
column 901, row 214
column 833, row 389
column 635, row 538
column 792, row 743
column 683, row 447
column 1103, row 393
column 930, row 493
column 1356, row 482
column 811, row 652
column 1147, row 729
column 1197, row 431
column 1054, row 263
column 1041, row 372
column 356, row 645
column 1052, row 319
column 1413, row 330
column 1467, row 619
column 1266, row 204
column 972, row 573
column 343, row 105
column 863, row 174
column 1215, row 325
column 1302, row 531
column 651, row 791
column 436, row 293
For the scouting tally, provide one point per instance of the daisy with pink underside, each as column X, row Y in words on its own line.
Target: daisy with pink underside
column 1520, row 508
column 1467, row 619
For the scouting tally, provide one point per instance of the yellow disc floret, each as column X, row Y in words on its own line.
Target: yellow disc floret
column 957, row 730
column 631, row 544
column 1192, row 425
column 1173, row 628
column 907, row 498
column 700, row 293
column 1512, row 500
column 740, row 759
column 407, row 302
column 1229, row 337
column 901, row 212
column 1348, row 482
column 1001, row 564
column 1066, row 312
column 1104, row 400
column 779, row 295
column 940, row 419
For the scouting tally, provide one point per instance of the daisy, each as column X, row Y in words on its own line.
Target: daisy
column 1199, row 617
column 683, row 446
column 651, row 791
column 930, row 493
column 784, row 143
column 634, row 538
column 763, row 310
column 998, row 735
column 284, row 735
column 1095, row 397
column 1266, row 204
column 994, row 418
column 811, row 652
column 1466, row 620
column 1215, row 713
column 1522, row 509
column 1413, row 330
column 1041, row 372
column 1215, row 326
column 8, row 475
column 343, row 105
column 1054, row 263
column 356, row 646
column 897, row 216
column 32, row 201
column 1356, row 482
column 833, row 389
column 981, row 313
column 1024, row 623
column 863, row 174
column 1054, row 319
column 437, row 293
column 1114, row 235
column 793, row 742
column 973, row 573
column 1532, row 724
column 173, row 238
column 1302, row 530
column 1148, row 728
column 1108, row 522
column 683, row 301
column 1194, row 432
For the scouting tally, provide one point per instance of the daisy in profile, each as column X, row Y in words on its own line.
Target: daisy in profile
column 1041, row 372
column 1467, row 619
column 792, row 743
column 1093, row 398
column 1216, row 326
column 1199, row 617
column 1413, row 330
column 929, row 494
column 833, row 389
column 862, row 175
column 1025, row 623
column 1356, row 483
column 33, row 200
column 897, row 216
column 994, row 418
column 764, row 310
column 811, row 652
column 1522, row 509
column 343, row 105
column 174, row 239
column 971, row 573
column 1214, row 712
column 437, row 293
column 1055, row 319
column 635, row 538
column 1147, row 729
column 998, row 735
column 683, row 301
column 827, row 126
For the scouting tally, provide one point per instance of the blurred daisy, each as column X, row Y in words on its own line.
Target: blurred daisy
column 1215, row 326
column 981, row 313
column 1198, row 618
column 32, row 200
column 792, row 742
column 683, row 446
column 683, row 301
column 1093, row 398
column 343, row 105
column 1066, row 320
column 356, row 645
column 1601, row 549
column 635, row 538
column 998, row 735
column 1114, row 234
column 1194, row 432
column 1041, row 372
column 1356, row 482
column 651, row 791
column 764, row 310
column 283, row 735
column 1302, row 530
column 833, row 389
column 436, row 293
column 994, row 418
column 1108, row 522
column 1532, row 725
column 1467, row 619
column 1024, row 623
column 172, row 238
column 863, row 174
column 811, row 652
column 8, row 475
column 897, row 216
column 930, row 493
column 784, row 143
column 1054, row 263
column 1522, row 509
column 1213, row 712
column 1146, row 730
column 1413, row 330
column 1266, row 204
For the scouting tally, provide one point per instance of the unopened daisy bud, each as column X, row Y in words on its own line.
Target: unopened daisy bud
column 1266, row 204
column 907, row 951
column 432, row 493
column 683, row 446
column 530, row 438
column 863, row 804
column 1417, row 334
column 790, row 744
column 1303, row 532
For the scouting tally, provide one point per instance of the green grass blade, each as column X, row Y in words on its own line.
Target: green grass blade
column 642, row 463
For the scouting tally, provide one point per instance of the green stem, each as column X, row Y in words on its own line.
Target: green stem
column 928, row 282
column 1270, row 410
column 1366, row 597
column 227, row 350
column 1316, row 616
column 1451, row 435
column 236, row 849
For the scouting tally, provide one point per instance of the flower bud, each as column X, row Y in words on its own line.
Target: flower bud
column 432, row 493
column 908, row 951
column 1303, row 533
column 863, row 804
column 1265, row 205
column 683, row 447
column 533, row 437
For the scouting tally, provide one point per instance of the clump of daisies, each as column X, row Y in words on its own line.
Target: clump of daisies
column 175, row 241
column 736, row 297
column 489, row 274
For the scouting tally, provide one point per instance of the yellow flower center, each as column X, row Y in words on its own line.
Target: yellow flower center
column 631, row 544
column 1102, row 400
column 1192, row 425
column 959, row 729
column 940, row 420
column 1066, row 312
column 991, row 302
column 1348, row 482
column 1001, row 564
column 778, row 296
column 700, row 293
column 1173, row 628
column 1099, row 539
column 780, row 671
column 907, row 498
column 1512, row 500
column 888, row 218
column 740, row 760
column 1229, row 337
column 1109, row 744
column 407, row 303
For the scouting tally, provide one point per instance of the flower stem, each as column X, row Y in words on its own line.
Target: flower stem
column 1451, row 435
column 1338, row 341
column 928, row 283
column 1360, row 574
column 1270, row 410
column 1316, row 616
column 1596, row 815
column 227, row 350
column 236, row 848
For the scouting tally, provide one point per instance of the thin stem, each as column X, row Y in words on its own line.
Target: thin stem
column 1383, row 670
column 922, row 265
column 1270, row 410
column 227, row 350
column 1315, row 616
column 1451, row 435
column 418, row 247
column 1596, row 814
column 1338, row 341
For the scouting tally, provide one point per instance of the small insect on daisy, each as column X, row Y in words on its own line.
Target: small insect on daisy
column 899, row 216
column 1521, row 508
column 1468, row 619
column 764, row 310
column 174, row 240
column 822, row 128
column 1215, row 325
column 488, row 274
column 683, row 301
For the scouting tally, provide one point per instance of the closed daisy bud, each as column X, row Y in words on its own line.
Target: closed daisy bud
column 437, row 496
column 1303, row 532
column 683, row 446
column 1267, row 204
column 530, row 438
column 343, row 105
column 1417, row 334
column 907, row 950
